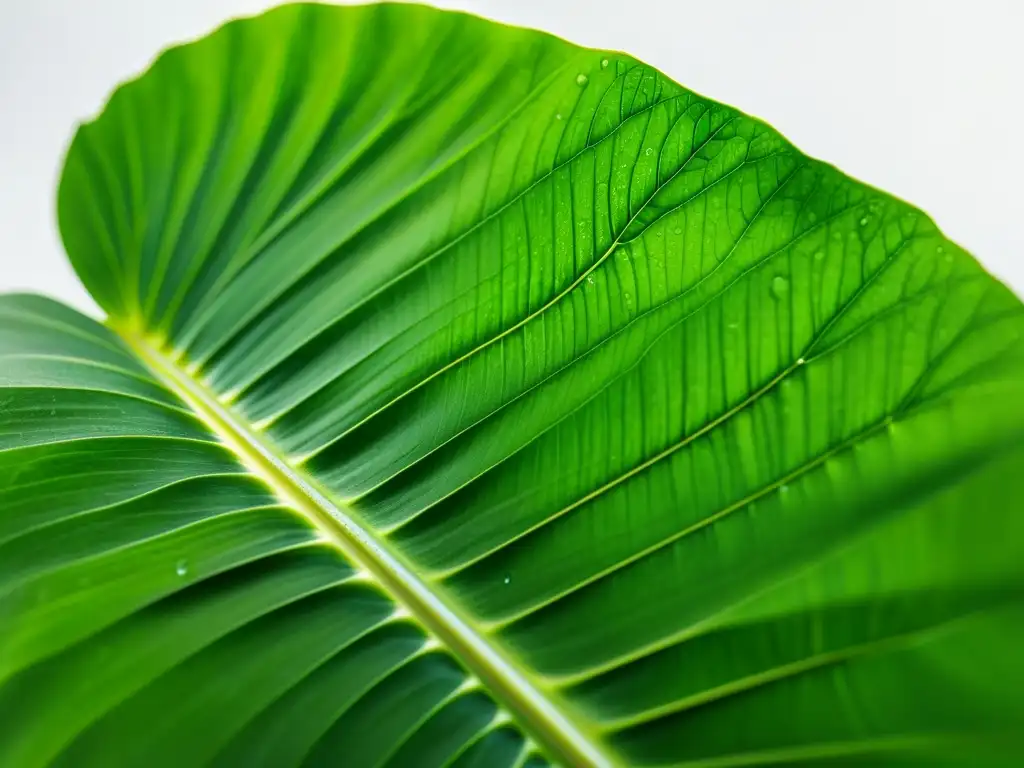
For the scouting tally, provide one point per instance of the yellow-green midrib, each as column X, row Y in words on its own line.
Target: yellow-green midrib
column 537, row 709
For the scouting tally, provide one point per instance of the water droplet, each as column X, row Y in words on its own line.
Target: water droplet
column 949, row 258
column 53, row 411
column 812, row 216
column 733, row 326
column 581, row 79
column 181, row 568
column 780, row 286
column 508, row 579
column 649, row 151
column 558, row 116
column 819, row 255
column 605, row 63
column 590, row 279
column 678, row 230
column 864, row 221
column 800, row 361
column 783, row 488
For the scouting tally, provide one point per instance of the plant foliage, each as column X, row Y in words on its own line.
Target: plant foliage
column 471, row 398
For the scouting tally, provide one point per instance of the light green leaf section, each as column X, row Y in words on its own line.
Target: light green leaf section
column 469, row 398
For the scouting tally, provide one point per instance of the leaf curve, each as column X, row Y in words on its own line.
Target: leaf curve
column 593, row 414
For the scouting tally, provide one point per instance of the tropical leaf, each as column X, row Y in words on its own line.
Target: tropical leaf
column 471, row 398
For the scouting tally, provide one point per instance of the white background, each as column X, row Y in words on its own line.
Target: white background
column 922, row 98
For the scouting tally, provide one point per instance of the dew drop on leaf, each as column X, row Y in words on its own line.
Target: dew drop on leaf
column 864, row 221
column 780, row 286
column 508, row 579
column 558, row 116
column 182, row 568
column 581, row 79
column 649, row 151
column 678, row 230
column 604, row 63
column 819, row 255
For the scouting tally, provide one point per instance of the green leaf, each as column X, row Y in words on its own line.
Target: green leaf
column 471, row 398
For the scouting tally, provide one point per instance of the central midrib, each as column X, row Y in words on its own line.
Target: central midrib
column 532, row 707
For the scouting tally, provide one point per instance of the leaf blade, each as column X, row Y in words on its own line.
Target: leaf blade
column 606, row 366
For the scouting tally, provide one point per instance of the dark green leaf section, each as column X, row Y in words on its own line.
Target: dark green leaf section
column 159, row 606
column 721, row 447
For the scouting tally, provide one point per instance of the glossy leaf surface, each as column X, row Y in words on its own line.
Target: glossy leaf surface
column 471, row 398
